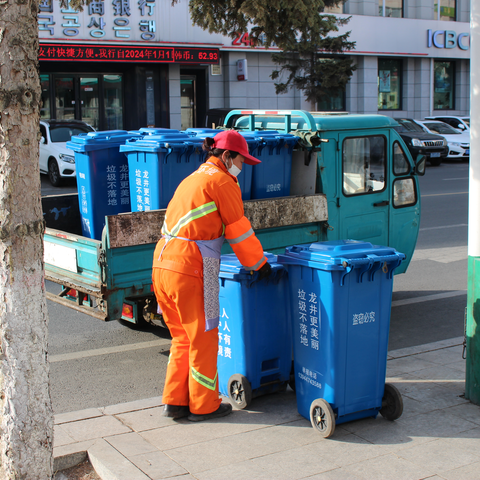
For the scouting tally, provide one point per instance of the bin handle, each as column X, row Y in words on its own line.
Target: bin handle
column 307, row 116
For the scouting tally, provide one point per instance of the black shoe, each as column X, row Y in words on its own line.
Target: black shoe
column 223, row 410
column 176, row 411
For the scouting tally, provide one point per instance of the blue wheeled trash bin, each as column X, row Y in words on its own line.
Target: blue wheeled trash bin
column 341, row 294
column 102, row 177
column 255, row 345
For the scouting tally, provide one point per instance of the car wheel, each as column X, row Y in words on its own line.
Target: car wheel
column 54, row 173
column 435, row 162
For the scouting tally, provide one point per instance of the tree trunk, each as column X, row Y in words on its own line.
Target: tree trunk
column 26, row 413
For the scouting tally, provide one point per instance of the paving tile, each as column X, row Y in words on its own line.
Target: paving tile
column 147, row 419
column 439, row 374
column 293, row 464
column 109, row 463
column 336, row 474
column 94, row 428
column 157, row 465
column 202, row 456
column 70, row 455
column 440, row 455
column 468, row 441
column 442, row 357
column 78, row 415
column 346, row 449
column 453, row 343
column 247, row 470
column 132, row 406
column 61, row 437
column 387, row 467
column 468, row 411
column 406, row 365
column 435, row 395
column 460, row 365
column 468, row 472
column 130, row 444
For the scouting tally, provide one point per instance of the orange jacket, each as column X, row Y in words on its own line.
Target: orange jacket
column 206, row 205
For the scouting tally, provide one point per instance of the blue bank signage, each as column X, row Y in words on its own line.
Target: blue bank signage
column 448, row 39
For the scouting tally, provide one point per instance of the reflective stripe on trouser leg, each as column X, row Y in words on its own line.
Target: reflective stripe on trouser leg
column 205, row 381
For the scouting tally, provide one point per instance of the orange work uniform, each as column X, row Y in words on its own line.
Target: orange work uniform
column 205, row 210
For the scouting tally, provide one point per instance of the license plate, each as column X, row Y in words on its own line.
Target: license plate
column 435, row 154
column 467, row 152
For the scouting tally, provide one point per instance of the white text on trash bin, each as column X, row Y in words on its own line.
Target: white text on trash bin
column 224, row 337
column 142, row 190
column 362, row 318
column 310, row 377
column 309, row 319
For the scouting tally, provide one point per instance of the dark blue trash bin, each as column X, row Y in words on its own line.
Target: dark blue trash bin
column 102, row 177
column 255, row 346
column 272, row 177
column 341, row 293
column 157, row 164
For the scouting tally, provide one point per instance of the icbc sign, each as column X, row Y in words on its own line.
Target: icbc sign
column 113, row 53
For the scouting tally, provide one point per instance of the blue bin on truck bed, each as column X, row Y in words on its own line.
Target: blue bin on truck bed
column 272, row 177
column 341, row 293
column 157, row 164
column 102, row 177
column 255, row 346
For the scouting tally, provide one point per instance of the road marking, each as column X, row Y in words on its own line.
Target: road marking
column 441, row 194
column 460, row 178
column 444, row 226
column 64, row 357
column 428, row 298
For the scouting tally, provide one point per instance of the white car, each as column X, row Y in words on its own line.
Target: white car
column 56, row 159
column 462, row 124
column 458, row 143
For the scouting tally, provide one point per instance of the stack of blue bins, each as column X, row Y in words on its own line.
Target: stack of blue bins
column 157, row 164
column 102, row 177
column 255, row 344
column 341, row 293
column 245, row 177
column 272, row 177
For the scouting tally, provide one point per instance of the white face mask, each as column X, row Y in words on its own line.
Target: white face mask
column 234, row 170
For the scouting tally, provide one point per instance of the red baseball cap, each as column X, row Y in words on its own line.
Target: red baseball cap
column 233, row 141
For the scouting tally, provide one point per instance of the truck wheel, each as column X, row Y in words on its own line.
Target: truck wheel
column 435, row 162
column 392, row 403
column 239, row 391
column 54, row 173
column 322, row 417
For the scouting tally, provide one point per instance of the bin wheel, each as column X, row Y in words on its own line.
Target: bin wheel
column 392, row 403
column 239, row 391
column 322, row 417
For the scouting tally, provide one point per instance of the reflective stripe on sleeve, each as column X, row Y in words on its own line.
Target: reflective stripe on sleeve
column 205, row 381
column 190, row 216
column 241, row 238
column 257, row 265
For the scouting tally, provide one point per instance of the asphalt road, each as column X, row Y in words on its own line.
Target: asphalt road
column 96, row 364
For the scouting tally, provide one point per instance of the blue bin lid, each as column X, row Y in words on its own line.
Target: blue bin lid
column 208, row 132
column 338, row 254
column 153, row 131
column 231, row 265
column 159, row 143
column 99, row 140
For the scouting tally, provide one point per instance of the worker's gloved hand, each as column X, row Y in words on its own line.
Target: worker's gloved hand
column 265, row 271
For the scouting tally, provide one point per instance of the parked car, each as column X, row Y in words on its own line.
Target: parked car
column 56, row 160
column 462, row 124
column 419, row 142
column 458, row 143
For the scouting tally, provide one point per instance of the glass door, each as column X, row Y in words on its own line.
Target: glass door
column 65, row 98
column 187, row 92
column 89, row 101
column 113, row 100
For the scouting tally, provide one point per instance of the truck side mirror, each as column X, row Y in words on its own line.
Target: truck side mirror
column 42, row 140
column 420, row 165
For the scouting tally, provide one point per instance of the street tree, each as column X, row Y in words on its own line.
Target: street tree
column 26, row 414
column 311, row 58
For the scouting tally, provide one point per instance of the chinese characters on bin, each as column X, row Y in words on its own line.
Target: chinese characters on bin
column 309, row 316
column 142, row 190
column 362, row 318
column 224, row 337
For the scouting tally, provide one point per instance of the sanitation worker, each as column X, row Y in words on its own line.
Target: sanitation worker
column 205, row 210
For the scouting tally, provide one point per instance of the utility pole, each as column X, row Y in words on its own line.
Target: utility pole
column 472, row 380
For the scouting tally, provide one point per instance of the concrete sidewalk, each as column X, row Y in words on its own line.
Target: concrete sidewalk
column 438, row 435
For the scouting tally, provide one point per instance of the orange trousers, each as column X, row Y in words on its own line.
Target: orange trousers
column 192, row 367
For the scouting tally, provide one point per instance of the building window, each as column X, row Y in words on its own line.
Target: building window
column 391, row 8
column 444, row 10
column 389, row 84
column 332, row 103
column 444, row 86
